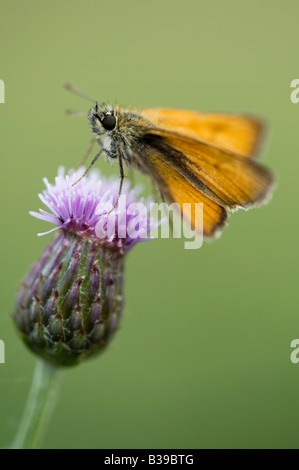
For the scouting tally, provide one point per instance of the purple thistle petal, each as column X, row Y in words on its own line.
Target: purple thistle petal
column 86, row 208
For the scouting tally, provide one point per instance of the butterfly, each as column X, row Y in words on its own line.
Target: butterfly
column 192, row 157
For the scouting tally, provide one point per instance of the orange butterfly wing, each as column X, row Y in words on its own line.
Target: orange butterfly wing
column 175, row 188
column 228, row 179
column 236, row 133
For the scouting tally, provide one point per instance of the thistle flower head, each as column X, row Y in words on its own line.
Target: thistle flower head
column 89, row 208
column 70, row 303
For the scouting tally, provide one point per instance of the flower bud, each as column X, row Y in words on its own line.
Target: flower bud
column 69, row 305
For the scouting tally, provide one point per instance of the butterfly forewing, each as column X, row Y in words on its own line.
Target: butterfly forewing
column 236, row 133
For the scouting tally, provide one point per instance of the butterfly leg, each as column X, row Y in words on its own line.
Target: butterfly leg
column 87, row 153
column 92, row 163
column 122, row 177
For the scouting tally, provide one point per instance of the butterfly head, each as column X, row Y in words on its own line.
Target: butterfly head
column 102, row 119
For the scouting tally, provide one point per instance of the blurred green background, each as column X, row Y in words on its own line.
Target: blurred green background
column 203, row 356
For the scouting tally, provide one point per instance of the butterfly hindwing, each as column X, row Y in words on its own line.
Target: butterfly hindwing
column 175, row 188
column 226, row 178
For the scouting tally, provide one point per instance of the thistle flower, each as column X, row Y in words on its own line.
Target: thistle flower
column 69, row 305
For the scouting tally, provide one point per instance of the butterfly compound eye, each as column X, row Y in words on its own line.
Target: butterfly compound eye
column 109, row 122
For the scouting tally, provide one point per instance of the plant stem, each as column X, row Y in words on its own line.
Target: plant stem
column 39, row 407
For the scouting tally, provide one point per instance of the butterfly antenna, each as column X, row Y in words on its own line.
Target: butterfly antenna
column 73, row 89
column 75, row 112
